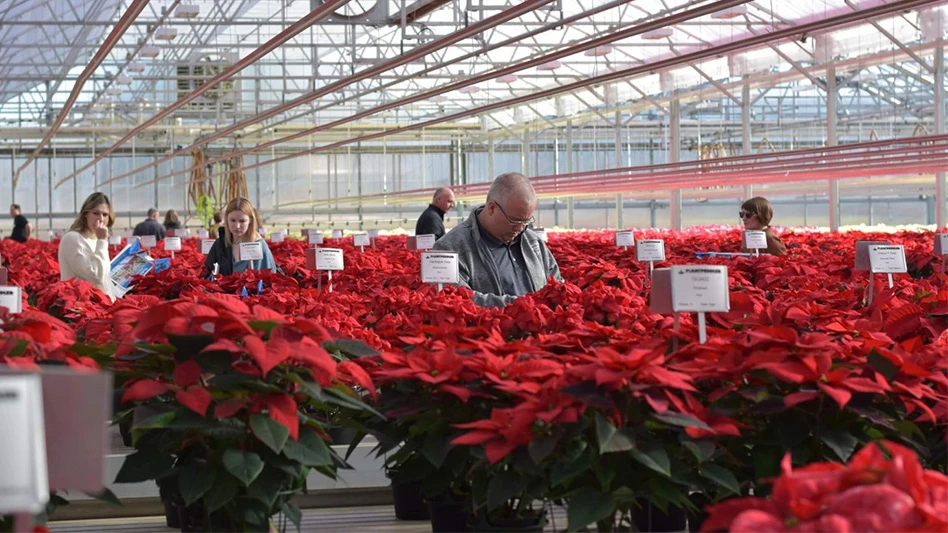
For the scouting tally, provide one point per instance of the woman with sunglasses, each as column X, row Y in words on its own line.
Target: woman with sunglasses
column 756, row 214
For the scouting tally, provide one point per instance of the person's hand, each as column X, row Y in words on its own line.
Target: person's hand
column 101, row 231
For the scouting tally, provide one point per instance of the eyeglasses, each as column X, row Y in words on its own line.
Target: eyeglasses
column 745, row 214
column 513, row 222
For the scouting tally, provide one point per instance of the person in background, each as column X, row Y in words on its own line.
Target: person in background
column 499, row 258
column 84, row 249
column 431, row 221
column 240, row 225
column 756, row 214
column 22, row 229
column 150, row 226
column 216, row 226
column 171, row 221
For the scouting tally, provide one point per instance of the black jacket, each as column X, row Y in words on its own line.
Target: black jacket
column 221, row 254
column 149, row 227
column 431, row 222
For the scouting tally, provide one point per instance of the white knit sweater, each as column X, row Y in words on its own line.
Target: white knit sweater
column 86, row 258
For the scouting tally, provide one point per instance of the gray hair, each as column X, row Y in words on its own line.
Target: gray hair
column 511, row 185
column 152, row 212
column 442, row 191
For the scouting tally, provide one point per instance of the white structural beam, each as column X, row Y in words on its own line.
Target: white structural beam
column 746, row 142
column 832, row 103
column 939, row 129
column 674, row 147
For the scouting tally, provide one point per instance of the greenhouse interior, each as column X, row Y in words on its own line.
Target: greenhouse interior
column 473, row 265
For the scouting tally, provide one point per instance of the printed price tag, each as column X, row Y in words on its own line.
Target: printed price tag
column 277, row 236
column 25, row 480
column 755, row 239
column 650, row 250
column 329, row 259
column 11, row 298
column 625, row 238
column 115, row 240
column 250, row 251
column 361, row 239
column 203, row 234
column 700, row 288
column 439, row 267
column 373, row 234
column 149, row 241
column 941, row 244
column 182, row 233
column 172, row 244
column 314, row 237
column 206, row 245
column 887, row 258
column 337, row 234
column 424, row 242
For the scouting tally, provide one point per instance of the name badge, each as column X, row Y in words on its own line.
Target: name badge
column 650, row 250
column 329, row 259
column 439, row 267
column 887, row 258
column 149, row 241
column 250, row 251
column 625, row 238
column 755, row 239
column 361, row 239
column 172, row 244
column 700, row 288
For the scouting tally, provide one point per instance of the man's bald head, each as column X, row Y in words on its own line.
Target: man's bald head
column 512, row 187
column 443, row 199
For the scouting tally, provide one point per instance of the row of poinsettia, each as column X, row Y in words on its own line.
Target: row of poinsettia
column 574, row 393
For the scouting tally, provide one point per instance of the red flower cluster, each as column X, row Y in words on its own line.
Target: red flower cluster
column 882, row 489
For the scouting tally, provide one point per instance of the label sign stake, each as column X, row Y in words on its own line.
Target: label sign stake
column 941, row 248
column 172, row 244
column 424, row 242
column 11, row 298
column 25, row 480
column 625, row 238
column 115, row 240
column 277, row 236
column 329, row 260
column 361, row 240
column 650, row 250
column 148, row 241
column 440, row 268
column 337, row 234
column 885, row 259
column 203, row 234
column 314, row 237
column 373, row 236
column 700, row 289
column 250, row 251
column 755, row 240
column 206, row 245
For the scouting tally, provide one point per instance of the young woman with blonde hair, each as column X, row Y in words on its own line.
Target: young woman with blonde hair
column 84, row 249
column 240, row 225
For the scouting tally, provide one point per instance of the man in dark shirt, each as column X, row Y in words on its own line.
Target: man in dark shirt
column 431, row 221
column 22, row 229
column 150, row 226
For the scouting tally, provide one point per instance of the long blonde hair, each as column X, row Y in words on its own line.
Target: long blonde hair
column 244, row 206
column 94, row 200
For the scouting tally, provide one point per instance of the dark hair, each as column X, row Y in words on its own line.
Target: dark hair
column 170, row 217
column 761, row 207
column 218, row 217
column 15, row 206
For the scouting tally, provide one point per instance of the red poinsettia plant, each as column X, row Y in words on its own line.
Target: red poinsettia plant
column 883, row 488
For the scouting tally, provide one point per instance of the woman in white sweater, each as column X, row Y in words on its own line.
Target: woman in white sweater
column 84, row 250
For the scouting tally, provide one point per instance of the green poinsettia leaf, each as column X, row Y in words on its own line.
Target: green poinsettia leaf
column 245, row 466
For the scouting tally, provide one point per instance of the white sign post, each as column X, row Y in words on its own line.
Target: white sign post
column 625, row 238
column 172, row 244
column 755, row 240
column 361, row 240
column 941, row 248
column 700, row 289
column 148, row 241
column 440, row 268
column 329, row 260
column 885, row 259
column 24, row 482
column 373, row 235
column 650, row 250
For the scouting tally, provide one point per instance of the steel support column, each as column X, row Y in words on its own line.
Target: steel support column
column 570, row 221
column 940, row 218
column 525, row 154
column 832, row 103
column 747, row 145
column 674, row 146
column 620, row 219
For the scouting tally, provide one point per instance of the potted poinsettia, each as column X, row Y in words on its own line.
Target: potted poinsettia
column 222, row 401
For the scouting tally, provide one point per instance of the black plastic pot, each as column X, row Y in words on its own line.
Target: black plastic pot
column 409, row 501
column 192, row 518
column 651, row 518
column 172, row 511
column 341, row 436
column 448, row 514
column 531, row 524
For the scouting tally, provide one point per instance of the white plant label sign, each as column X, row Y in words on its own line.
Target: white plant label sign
column 206, row 245
column 314, row 237
column 149, row 241
column 625, row 238
column 424, row 242
column 24, row 482
column 277, row 236
column 329, row 259
column 941, row 244
column 11, row 298
column 250, row 251
column 700, row 288
column 203, row 234
column 361, row 239
column 887, row 258
column 373, row 234
column 182, row 233
column 172, row 244
column 115, row 240
column 650, row 250
column 755, row 239
column 337, row 234
column 439, row 267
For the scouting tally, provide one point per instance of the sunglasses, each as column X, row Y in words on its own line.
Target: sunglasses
column 745, row 214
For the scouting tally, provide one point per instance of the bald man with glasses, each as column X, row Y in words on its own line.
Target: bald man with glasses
column 499, row 257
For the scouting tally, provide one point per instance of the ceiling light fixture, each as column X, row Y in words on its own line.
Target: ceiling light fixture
column 660, row 33
column 733, row 12
column 150, row 51
column 507, row 78
column 599, row 51
column 187, row 11
column 550, row 65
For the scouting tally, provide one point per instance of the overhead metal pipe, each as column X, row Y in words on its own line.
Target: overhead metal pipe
column 687, row 58
column 134, row 9
column 590, row 44
column 313, row 17
column 415, row 53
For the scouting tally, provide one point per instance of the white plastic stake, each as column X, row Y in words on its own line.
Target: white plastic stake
column 440, row 286
column 890, row 280
column 702, row 328
column 330, row 281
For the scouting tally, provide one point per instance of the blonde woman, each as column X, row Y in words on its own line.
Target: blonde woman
column 756, row 214
column 84, row 250
column 240, row 225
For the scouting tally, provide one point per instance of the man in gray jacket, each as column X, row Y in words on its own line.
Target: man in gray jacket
column 499, row 258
